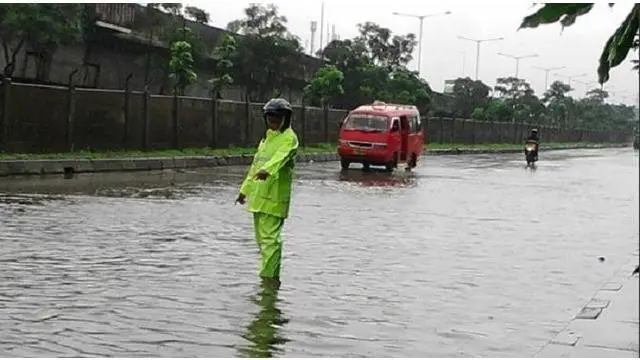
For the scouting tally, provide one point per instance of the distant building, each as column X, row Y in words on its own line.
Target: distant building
column 448, row 86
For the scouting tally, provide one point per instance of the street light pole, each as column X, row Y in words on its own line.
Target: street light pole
column 421, row 18
column 478, row 42
column 517, row 59
column 546, row 74
column 587, row 85
column 571, row 77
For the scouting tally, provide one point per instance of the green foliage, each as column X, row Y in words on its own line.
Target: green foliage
column 513, row 100
column 223, row 55
column 41, row 27
column 268, row 56
column 325, row 85
column 617, row 47
column 405, row 87
column 374, row 68
column 391, row 52
column 167, row 24
column 468, row 96
column 181, row 66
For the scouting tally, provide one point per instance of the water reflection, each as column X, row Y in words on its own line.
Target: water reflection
column 378, row 178
column 263, row 332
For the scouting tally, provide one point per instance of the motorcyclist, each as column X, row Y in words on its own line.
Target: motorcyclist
column 268, row 184
column 533, row 136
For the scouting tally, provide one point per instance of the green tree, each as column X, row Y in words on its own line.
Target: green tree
column 384, row 49
column 223, row 55
column 361, row 78
column 166, row 23
column 469, row 95
column 557, row 91
column 497, row 111
column 558, row 103
column 406, row 87
column 617, row 47
column 181, row 66
column 41, row 27
column 374, row 68
column 325, row 85
column 268, row 55
column 520, row 98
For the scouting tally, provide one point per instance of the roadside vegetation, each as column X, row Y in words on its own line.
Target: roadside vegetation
column 315, row 149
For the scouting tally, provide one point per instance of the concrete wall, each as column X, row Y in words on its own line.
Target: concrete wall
column 40, row 118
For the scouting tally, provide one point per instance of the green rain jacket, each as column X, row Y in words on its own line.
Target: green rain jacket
column 276, row 155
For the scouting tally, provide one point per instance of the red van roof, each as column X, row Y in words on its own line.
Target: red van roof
column 382, row 108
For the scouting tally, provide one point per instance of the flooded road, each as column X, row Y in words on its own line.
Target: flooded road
column 466, row 256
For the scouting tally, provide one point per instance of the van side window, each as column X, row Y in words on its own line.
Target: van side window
column 413, row 124
column 395, row 125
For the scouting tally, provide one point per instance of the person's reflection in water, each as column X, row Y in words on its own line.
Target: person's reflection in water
column 263, row 330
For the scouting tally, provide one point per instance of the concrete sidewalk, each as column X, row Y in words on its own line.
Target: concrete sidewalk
column 607, row 327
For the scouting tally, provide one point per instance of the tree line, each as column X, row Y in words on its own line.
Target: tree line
column 259, row 53
column 513, row 100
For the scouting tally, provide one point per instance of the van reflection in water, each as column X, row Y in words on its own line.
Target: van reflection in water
column 379, row 178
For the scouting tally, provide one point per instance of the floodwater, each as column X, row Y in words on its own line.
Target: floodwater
column 465, row 256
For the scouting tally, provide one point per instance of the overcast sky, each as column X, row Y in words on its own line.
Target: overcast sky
column 444, row 56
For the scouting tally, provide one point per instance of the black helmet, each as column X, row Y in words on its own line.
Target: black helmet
column 278, row 107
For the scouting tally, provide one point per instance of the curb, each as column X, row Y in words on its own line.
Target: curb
column 73, row 166
column 583, row 336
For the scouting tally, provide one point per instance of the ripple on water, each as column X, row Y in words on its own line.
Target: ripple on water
column 445, row 261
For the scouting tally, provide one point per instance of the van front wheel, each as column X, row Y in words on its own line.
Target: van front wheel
column 393, row 164
column 344, row 164
column 413, row 162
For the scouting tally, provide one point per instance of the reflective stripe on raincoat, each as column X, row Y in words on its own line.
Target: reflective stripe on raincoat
column 276, row 155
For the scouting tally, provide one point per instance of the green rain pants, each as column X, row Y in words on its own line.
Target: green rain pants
column 268, row 228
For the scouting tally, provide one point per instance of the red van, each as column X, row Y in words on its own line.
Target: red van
column 381, row 134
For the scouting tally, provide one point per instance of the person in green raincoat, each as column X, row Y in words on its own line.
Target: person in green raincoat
column 267, row 186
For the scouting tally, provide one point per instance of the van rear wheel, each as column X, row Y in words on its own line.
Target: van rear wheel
column 366, row 166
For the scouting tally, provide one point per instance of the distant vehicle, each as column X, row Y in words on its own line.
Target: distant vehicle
column 531, row 152
column 381, row 134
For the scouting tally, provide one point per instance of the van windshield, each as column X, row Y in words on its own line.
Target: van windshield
column 367, row 122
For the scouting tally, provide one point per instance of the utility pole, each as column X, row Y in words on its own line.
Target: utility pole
column 517, row 59
column 314, row 28
column 421, row 18
column 546, row 74
column 569, row 78
column 478, row 42
column 321, row 24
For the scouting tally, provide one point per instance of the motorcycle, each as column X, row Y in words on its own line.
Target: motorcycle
column 531, row 152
